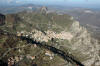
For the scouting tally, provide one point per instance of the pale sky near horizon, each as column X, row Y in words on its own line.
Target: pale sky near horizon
column 55, row 2
column 50, row 1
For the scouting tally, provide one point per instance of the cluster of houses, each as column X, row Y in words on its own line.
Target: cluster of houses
column 13, row 60
column 50, row 54
column 45, row 37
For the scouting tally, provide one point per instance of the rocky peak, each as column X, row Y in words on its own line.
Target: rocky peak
column 44, row 9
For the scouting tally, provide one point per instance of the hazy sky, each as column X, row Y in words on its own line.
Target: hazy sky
column 86, row 3
column 53, row 1
column 78, row 1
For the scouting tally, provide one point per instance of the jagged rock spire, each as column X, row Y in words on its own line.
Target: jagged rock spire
column 44, row 10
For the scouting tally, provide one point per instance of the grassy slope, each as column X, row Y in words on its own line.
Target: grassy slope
column 28, row 21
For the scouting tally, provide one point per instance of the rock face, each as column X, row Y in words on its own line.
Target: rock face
column 85, row 46
column 61, row 32
column 44, row 10
column 2, row 19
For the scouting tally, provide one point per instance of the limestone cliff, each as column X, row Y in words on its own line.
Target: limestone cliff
column 85, row 46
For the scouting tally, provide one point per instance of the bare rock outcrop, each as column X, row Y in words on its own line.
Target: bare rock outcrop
column 44, row 10
column 84, row 46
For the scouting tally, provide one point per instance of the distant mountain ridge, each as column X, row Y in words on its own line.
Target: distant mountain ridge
column 19, row 8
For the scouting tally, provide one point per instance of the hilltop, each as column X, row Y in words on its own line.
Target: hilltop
column 58, row 31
